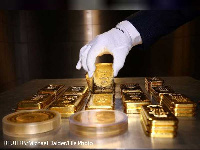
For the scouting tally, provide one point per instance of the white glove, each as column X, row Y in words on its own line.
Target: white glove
column 117, row 42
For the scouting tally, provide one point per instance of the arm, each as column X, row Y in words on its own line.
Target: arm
column 156, row 23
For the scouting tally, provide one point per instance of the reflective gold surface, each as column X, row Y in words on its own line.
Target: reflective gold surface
column 100, row 101
column 158, row 92
column 98, row 123
column 130, row 87
column 158, row 121
column 29, row 122
column 89, row 82
column 179, row 104
column 103, row 78
column 68, row 104
column 153, row 82
column 76, row 90
column 37, row 101
column 133, row 101
column 52, row 89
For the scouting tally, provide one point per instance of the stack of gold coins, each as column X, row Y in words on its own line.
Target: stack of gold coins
column 153, row 82
column 158, row 121
column 98, row 123
column 133, row 101
column 101, row 101
column 179, row 104
column 133, row 98
column 67, row 105
column 158, row 92
column 37, row 101
column 28, row 123
column 102, row 87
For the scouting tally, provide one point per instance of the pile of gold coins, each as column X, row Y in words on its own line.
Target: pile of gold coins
column 101, row 86
column 133, row 98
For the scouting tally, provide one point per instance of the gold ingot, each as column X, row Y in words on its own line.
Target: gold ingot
column 37, row 101
column 90, row 82
column 103, row 78
column 158, row 92
column 98, row 123
column 179, row 104
column 68, row 104
column 29, row 122
column 101, row 101
column 130, row 87
column 53, row 89
column 133, row 101
column 153, row 82
column 158, row 115
column 76, row 90
column 158, row 121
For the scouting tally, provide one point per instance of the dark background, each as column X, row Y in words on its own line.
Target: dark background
column 46, row 44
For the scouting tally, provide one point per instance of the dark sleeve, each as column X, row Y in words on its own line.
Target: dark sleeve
column 152, row 24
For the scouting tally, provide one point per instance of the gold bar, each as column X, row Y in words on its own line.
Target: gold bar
column 179, row 104
column 133, row 101
column 158, row 92
column 101, row 101
column 153, row 82
column 103, row 78
column 68, row 104
column 37, row 101
column 89, row 82
column 76, row 90
column 158, row 121
column 56, row 90
column 130, row 87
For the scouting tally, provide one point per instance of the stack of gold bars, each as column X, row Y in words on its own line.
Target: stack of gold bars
column 179, row 104
column 71, row 101
column 56, row 97
column 158, row 121
column 42, row 99
column 133, row 98
column 153, row 82
column 101, row 86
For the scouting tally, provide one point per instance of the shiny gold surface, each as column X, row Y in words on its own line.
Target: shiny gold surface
column 37, row 101
column 133, row 101
column 153, row 82
column 52, row 89
column 29, row 122
column 90, row 82
column 76, row 90
column 68, row 104
column 179, row 104
column 158, row 115
column 100, row 101
column 130, row 87
column 158, row 92
column 158, row 121
column 98, row 123
column 103, row 78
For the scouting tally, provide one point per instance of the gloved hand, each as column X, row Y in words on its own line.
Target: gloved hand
column 117, row 42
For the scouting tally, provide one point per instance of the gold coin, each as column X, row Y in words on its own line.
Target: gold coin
column 30, row 117
column 30, row 122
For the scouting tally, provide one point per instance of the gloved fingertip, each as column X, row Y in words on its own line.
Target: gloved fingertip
column 115, row 73
column 90, row 74
column 78, row 66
